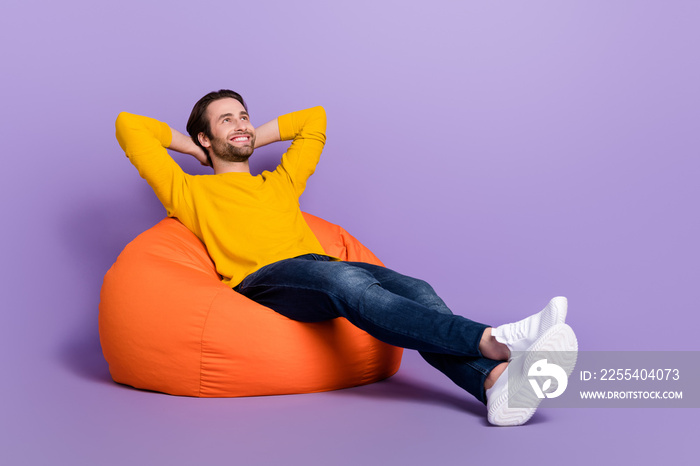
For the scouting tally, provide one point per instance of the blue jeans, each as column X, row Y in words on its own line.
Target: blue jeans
column 393, row 308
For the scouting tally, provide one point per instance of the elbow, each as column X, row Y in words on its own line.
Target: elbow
column 122, row 116
column 122, row 122
column 321, row 119
column 122, row 125
column 321, row 112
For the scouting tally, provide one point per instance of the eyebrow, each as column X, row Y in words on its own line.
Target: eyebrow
column 231, row 114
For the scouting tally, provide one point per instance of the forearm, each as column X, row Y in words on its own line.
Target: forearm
column 267, row 133
column 183, row 144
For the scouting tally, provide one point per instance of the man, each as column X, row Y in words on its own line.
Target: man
column 254, row 231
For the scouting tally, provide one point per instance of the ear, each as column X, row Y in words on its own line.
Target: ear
column 204, row 140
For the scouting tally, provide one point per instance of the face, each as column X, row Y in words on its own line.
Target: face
column 233, row 136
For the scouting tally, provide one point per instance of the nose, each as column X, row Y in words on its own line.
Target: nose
column 241, row 124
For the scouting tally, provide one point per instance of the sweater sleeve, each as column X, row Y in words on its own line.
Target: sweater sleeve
column 144, row 140
column 308, row 130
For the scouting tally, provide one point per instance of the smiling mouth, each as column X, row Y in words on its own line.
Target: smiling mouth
column 240, row 139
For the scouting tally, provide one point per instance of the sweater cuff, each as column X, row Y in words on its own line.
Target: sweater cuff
column 166, row 134
column 286, row 127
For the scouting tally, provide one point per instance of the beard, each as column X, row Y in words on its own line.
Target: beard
column 222, row 149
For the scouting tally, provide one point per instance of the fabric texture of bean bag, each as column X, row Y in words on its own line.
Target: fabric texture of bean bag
column 168, row 324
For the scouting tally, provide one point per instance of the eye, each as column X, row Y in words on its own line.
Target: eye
column 226, row 120
column 244, row 118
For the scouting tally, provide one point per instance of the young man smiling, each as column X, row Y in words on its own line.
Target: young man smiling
column 256, row 235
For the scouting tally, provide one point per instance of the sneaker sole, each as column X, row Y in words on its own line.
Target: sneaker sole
column 561, row 339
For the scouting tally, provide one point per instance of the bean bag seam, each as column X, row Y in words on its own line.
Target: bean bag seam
column 201, row 339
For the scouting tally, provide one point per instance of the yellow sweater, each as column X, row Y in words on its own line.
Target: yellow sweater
column 245, row 221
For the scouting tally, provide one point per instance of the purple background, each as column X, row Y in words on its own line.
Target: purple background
column 507, row 152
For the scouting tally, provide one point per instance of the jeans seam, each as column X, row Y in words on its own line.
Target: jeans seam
column 478, row 369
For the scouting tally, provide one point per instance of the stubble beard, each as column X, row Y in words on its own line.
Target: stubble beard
column 223, row 150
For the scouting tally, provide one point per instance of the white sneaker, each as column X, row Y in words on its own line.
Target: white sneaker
column 516, row 406
column 519, row 336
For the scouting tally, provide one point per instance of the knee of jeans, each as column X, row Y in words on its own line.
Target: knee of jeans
column 425, row 294
column 423, row 287
column 353, row 277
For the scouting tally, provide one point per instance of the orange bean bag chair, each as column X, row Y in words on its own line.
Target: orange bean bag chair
column 168, row 324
